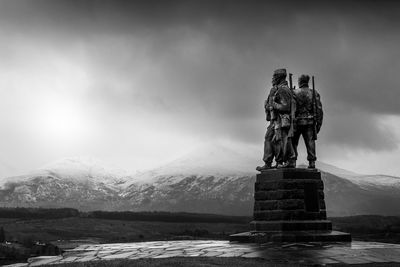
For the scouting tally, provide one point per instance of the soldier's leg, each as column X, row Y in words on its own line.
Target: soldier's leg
column 290, row 153
column 289, row 156
column 269, row 149
column 279, row 147
column 295, row 141
column 310, row 143
column 279, row 152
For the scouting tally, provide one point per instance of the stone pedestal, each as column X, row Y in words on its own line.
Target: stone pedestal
column 290, row 207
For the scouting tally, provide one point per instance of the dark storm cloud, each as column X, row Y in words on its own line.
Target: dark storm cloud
column 352, row 127
column 205, row 66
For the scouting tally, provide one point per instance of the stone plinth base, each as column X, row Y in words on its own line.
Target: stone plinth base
column 291, row 236
column 290, row 206
column 304, row 225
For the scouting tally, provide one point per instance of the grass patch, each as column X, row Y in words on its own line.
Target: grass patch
column 114, row 231
column 370, row 227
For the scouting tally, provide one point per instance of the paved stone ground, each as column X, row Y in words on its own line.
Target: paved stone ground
column 290, row 253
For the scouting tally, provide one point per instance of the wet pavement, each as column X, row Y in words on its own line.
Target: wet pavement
column 287, row 253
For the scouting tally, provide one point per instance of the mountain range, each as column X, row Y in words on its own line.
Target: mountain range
column 213, row 178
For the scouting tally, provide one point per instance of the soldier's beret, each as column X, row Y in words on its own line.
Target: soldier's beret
column 280, row 72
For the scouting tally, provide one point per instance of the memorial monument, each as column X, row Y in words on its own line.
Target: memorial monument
column 289, row 202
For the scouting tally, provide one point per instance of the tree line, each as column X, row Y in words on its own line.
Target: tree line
column 58, row 213
column 168, row 217
column 38, row 213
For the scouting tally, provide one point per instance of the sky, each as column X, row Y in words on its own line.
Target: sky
column 138, row 83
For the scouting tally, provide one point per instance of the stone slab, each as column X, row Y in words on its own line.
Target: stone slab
column 290, row 236
column 287, row 253
column 285, row 204
column 279, row 194
column 268, row 184
column 288, row 215
column 280, row 174
column 316, row 225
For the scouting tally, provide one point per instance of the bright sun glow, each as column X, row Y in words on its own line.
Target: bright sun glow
column 60, row 120
column 55, row 106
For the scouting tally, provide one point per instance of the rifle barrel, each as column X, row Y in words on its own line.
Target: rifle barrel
column 314, row 106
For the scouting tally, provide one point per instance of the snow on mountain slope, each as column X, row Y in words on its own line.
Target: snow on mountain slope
column 335, row 170
column 215, row 178
column 219, row 160
column 346, row 198
column 78, row 169
column 378, row 180
column 213, row 159
column 83, row 169
column 220, row 179
column 73, row 182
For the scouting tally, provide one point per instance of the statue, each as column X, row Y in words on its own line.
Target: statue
column 279, row 108
column 309, row 117
column 270, row 147
column 289, row 204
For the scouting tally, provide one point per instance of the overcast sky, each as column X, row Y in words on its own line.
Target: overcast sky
column 137, row 83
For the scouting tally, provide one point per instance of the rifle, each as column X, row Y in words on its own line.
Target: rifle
column 314, row 107
column 292, row 107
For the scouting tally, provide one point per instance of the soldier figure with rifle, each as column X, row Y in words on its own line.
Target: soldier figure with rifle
column 279, row 107
column 309, row 117
column 270, row 146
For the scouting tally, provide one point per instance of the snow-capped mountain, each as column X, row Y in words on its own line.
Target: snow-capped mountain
column 212, row 159
column 335, row 170
column 73, row 182
column 84, row 169
column 214, row 178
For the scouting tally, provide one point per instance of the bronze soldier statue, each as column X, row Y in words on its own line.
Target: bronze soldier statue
column 270, row 147
column 309, row 115
column 278, row 136
column 283, row 102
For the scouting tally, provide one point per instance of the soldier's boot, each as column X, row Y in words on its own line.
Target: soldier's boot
column 290, row 164
column 265, row 167
column 311, row 164
column 280, row 165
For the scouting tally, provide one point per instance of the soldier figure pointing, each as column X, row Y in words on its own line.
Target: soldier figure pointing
column 309, row 117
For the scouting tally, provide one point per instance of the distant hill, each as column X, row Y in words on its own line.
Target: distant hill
column 211, row 179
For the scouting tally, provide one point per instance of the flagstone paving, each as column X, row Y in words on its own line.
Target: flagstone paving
column 291, row 253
